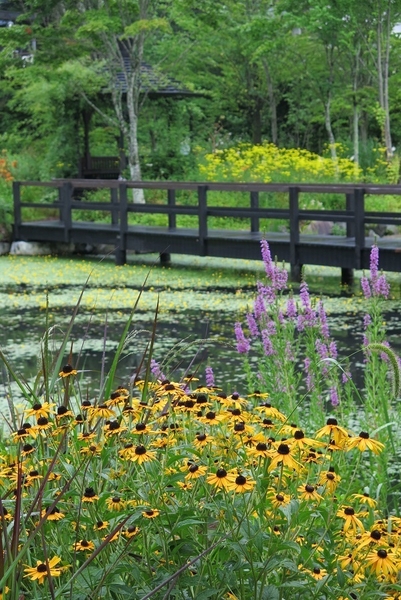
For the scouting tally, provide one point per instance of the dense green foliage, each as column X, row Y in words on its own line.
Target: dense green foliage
column 301, row 74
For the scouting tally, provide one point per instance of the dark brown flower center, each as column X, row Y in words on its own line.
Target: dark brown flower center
column 41, row 568
column 140, row 450
column 382, row 553
column 283, row 449
column 240, row 480
column 349, row 511
column 221, row 473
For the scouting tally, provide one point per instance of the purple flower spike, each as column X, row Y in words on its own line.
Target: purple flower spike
column 365, row 285
column 209, row 377
column 374, row 263
column 243, row 345
column 334, row 397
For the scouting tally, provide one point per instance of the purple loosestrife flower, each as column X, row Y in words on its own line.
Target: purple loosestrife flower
column 291, row 308
column 374, row 263
column 252, row 325
column 156, row 370
column 346, row 376
column 381, row 287
column 267, row 258
column 267, row 343
column 334, row 396
column 259, row 307
column 209, row 375
column 271, row 328
column 367, row 319
column 304, row 294
column 280, row 278
column 333, row 349
column 309, row 376
column 365, row 285
column 323, row 321
column 243, row 345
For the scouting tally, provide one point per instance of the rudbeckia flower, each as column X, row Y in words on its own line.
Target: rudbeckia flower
column 382, row 562
column 334, row 431
column 364, row 442
column 40, row 410
column 151, row 513
column 84, row 546
column 221, row 479
column 42, row 570
column 115, row 503
column 351, row 521
column 308, row 492
column 67, row 371
column 282, row 456
column 89, row 495
column 140, row 454
column 242, row 484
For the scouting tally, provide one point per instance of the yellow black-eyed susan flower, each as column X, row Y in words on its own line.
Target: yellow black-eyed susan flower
column 86, row 436
column 363, row 442
column 63, row 412
column 53, row 514
column 330, row 479
column 141, row 429
column 241, row 484
column 317, row 572
column 351, row 520
column 365, row 499
column 300, row 441
column 382, row 562
column 193, row 471
column 114, row 428
column 334, row 431
column 258, row 394
column 261, row 450
column 115, row 503
column 42, row 424
column 27, row 449
column 100, row 525
column 67, row 371
column 267, row 410
column 42, row 570
column 84, row 546
column 151, row 513
column 282, row 456
column 308, row 492
column 202, row 439
column 370, row 538
column 140, row 454
column 101, row 411
column 92, row 449
column 220, row 479
column 211, row 418
column 89, row 495
column 277, row 499
column 131, row 531
column 3, row 592
column 40, row 410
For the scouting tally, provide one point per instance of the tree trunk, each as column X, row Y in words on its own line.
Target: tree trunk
column 332, row 140
column 272, row 103
column 383, row 76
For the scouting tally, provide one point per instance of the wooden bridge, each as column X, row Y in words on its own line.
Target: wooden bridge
column 68, row 215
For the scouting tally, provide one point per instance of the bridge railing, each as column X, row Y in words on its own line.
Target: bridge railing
column 70, row 198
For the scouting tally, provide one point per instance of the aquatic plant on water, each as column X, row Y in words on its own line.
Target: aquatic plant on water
column 166, row 488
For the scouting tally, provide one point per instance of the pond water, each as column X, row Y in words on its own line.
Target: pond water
column 199, row 301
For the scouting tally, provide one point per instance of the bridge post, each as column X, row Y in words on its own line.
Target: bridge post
column 65, row 195
column 359, row 226
column 254, row 204
column 347, row 274
column 202, row 216
column 120, row 251
column 17, row 208
column 295, row 266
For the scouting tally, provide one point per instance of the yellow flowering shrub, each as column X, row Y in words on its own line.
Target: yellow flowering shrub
column 268, row 163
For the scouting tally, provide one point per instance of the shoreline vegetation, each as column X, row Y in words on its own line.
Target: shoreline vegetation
column 170, row 486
